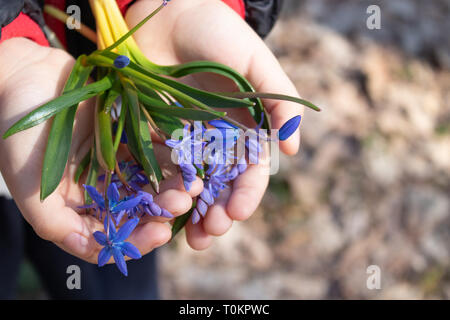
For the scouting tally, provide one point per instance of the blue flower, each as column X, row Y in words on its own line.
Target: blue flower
column 132, row 173
column 189, row 173
column 114, row 244
column 121, row 62
column 115, row 204
column 189, row 151
column 186, row 148
column 222, row 124
column 151, row 208
column 216, row 179
column 289, row 128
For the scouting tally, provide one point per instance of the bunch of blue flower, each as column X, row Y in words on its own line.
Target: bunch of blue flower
column 134, row 98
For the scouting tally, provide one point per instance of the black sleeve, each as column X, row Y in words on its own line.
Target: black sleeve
column 10, row 9
column 261, row 15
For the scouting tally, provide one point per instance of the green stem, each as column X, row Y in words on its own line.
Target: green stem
column 97, row 59
column 107, row 182
column 120, row 127
column 163, row 135
column 136, row 28
column 273, row 96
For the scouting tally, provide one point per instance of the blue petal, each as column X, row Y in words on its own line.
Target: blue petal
column 119, row 216
column 233, row 173
column 95, row 195
column 242, row 167
column 113, row 193
column 222, row 124
column 189, row 177
column 104, row 256
column 195, row 216
column 187, row 185
column 207, row 197
column 155, row 209
column 289, row 128
column 121, row 62
column 172, row 143
column 188, row 168
column 201, row 207
column 127, row 204
column 166, row 214
column 100, row 237
column 130, row 250
column 125, row 231
column 120, row 260
column 147, row 197
column 260, row 124
column 123, row 138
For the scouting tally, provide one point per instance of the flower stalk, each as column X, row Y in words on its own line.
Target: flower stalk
column 151, row 97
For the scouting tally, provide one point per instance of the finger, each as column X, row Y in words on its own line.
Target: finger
column 55, row 222
column 149, row 236
column 175, row 201
column 217, row 221
column 248, row 190
column 145, row 238
column 266, row 74
column 196, row 237
column 176, row 183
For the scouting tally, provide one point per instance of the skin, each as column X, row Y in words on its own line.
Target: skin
column 189, row 30
column 31, row 75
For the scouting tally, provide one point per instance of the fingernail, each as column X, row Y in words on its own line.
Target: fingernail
column 76, row 244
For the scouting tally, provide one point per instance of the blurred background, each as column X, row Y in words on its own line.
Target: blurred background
column 371, row 184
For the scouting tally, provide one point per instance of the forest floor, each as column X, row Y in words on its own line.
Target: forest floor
column 371, row 183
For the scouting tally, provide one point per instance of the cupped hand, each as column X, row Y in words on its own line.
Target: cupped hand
column 189, row 30
column 31, row 75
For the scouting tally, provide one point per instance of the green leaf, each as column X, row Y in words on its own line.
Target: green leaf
column 133, row 131
column 243, row 84
column 82, row 166
column 68, row 99
column 196, row 96
column 166, row 123
column 136, row 28
column 113, row 94
column 60, row 137
column 92, row 176
column 180, row 222
column 272, row 96
column 120, row 127
column 154, row 105
column 103, row 135
column 147, row 147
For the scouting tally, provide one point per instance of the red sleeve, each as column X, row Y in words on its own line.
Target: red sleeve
column 24, row 26
column 236, row 5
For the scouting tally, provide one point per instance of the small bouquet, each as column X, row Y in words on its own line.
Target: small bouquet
column 135, row 100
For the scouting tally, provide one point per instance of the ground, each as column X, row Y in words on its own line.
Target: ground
column 371, row 183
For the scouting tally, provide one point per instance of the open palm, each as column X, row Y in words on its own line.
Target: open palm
column 189, row 30
column 30, row 76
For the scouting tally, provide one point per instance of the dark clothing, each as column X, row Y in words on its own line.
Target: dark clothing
column 18, row 242
column 17, row 239
column 261, row 15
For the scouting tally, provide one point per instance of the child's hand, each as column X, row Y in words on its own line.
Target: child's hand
column 209, row 30
column 31, row 75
